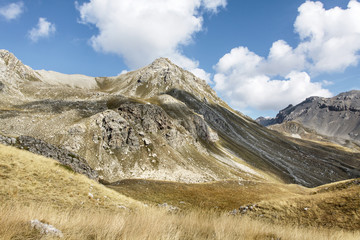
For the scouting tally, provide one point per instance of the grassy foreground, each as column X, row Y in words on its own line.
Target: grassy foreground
column 34, row 187
column 28, row 178
column 334, row 205
column 150, row 223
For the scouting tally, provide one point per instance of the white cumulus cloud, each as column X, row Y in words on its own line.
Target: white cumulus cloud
column 12, row 10
column 283, row 59
column 241, row 80
column 330, row 38
column 141, row 30
column 43, row 29
column 329, row 42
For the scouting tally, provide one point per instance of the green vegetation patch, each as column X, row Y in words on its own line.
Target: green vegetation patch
column 66, row 167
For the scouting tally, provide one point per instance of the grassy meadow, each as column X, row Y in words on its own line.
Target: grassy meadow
column 34, row 187
column 151, row 223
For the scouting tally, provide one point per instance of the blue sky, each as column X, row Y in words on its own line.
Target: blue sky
column 259, row 56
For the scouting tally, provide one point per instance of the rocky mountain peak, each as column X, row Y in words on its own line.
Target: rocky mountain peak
column 7, row 59
column 161, row 72
column 311, row 99
column 157, row 78
column 161, row 63
column 334, row 117
column 11, row 67
column 4, row 52
column 351, row 95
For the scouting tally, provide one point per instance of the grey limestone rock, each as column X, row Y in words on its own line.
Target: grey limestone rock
column 203, row 130
column 46, row 229
column 63, row 156
column 151, row 117
column 116, row 131
column 146, row 141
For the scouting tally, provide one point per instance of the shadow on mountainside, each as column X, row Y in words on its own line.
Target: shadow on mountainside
column 85, row 108
column 304, row 163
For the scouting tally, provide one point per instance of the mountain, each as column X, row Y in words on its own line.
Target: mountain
column 333, row 119
column 159, row 122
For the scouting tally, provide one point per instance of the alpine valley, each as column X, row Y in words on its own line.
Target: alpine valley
column 157, row 145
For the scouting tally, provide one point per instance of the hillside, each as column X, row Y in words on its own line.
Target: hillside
column 335, row 119
column 34, row 187
column 30, row 179
column 328, row 206
column 331, row 206
column 161, row 123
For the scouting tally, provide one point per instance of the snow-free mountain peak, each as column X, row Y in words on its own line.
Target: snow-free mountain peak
column 337, row 117
column 162, row 63
column 159, row 77
column 160, row 122
column 13, row 70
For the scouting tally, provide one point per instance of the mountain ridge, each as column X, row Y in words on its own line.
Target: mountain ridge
column 162, row 123
column 337, row 117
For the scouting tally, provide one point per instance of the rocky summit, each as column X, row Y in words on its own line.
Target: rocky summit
column 159, row 122
column 336, row 118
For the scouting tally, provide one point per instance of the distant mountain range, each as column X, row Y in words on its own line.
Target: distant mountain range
column 334, row 119
column 163, row 123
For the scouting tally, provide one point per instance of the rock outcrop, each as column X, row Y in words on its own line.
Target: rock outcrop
column 12, row 68
column 46, row 229
column 63, row 156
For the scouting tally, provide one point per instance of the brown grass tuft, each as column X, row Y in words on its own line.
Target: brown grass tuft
column 33, row 187
column 150, row 223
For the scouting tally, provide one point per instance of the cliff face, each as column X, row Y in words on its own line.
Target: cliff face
column 159, row 122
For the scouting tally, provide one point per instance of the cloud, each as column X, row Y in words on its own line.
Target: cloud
column 12, row 10
column 330, row 38
column 240, row 56
column 283, row 59
column 42, row 30
column 123, row 72
column 329, row 42
column 242, row 81
column 141, row 31
column 201, row 73
column 214, row 5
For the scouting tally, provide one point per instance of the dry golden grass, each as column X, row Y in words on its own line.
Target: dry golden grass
column 333, row 205
column 34, row 187
column 221, row 195
column 150, row 223
column 327, row 143
column 30, row 178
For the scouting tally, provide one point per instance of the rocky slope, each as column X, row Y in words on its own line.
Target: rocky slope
column 63, row 156
column 159, row 122
column 30, row 180
column 337, row 117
